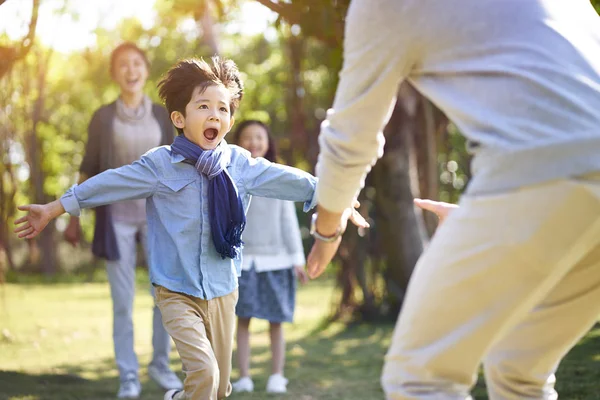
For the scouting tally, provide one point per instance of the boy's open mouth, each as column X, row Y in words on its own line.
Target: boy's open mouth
column 211, row 133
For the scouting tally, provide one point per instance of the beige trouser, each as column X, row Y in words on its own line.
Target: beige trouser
column 203, row 334
column 512, row 280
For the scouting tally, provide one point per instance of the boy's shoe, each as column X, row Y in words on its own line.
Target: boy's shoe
column 277, row 383
column 165, row 378
column 130, row 387
column 172, row 394
column 243, row 385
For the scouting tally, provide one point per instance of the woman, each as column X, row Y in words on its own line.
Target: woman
column 118, row 134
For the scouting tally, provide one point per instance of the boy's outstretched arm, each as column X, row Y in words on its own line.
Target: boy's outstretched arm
column 266, row 179
column 38, row 216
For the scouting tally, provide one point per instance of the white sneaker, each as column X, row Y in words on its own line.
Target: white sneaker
column 165, row 378
column 130, row 387
column 277, row 383
column 170, row 395
column 245, row 384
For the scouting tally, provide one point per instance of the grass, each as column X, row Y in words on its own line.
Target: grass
column 56, row 343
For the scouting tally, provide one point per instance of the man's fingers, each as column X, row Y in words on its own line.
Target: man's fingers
column 25, row 208
column 428, row 205
column 313, row 266
column 358, row 220
column 435, row 206
column 315, row 269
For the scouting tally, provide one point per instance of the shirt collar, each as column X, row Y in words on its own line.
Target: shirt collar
column 176, row 158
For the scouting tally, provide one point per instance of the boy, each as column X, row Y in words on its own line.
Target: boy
column 197, row 192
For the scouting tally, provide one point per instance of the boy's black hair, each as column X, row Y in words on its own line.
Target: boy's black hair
column 271, row 153
column 177, row 86
column 122, row 48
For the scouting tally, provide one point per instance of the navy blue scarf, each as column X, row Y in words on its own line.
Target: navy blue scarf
column 227, row 218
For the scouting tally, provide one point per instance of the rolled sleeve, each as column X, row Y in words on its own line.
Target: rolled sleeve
column 312, row 203
column 70, row 203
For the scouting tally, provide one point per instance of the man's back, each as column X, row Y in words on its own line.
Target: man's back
column 507, row 71
column 520, row 78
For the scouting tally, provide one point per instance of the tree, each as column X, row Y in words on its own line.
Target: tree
column 412, row 136
column 9, row 55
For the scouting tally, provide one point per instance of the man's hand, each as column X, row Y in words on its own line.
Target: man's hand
column 38, row 216
column 439, row 208
column 72, row 233
column 327, row 224
column 301, row 273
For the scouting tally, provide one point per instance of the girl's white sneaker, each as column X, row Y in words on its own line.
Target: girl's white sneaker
column 245, row 384
column 277, row 383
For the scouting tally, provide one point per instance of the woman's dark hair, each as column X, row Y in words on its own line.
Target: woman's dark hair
column 271, row 154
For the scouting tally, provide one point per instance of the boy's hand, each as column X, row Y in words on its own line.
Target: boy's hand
column 37, row 218
column 327, row 224
column 301, row 273
column 441, row 209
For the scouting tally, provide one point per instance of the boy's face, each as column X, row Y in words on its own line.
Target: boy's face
column 207, row 117
column 130, row 71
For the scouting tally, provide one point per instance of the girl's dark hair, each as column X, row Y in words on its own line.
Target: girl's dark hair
column 122, row 48
column 271, row 154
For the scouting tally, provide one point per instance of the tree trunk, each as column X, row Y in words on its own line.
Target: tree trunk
column 206, row 22
column 401, row 231
column 432, row 126
column 47, row 262
column 10, row 55
column 295, row 96
column 8, row 190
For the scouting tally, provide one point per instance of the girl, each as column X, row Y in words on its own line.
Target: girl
column 273, row 258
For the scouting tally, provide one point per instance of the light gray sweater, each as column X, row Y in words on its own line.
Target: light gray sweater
column 272, row 239
column 520, row 78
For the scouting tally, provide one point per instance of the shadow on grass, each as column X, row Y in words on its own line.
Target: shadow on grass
column 348, row 365
column 324, row 365
column 68, row 384
column 578, row 376
column 338, row 365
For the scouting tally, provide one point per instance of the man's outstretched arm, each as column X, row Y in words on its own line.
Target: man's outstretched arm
column 376, row 59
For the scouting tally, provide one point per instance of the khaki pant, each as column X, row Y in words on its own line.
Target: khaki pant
column 512, row 280
column 203, row 334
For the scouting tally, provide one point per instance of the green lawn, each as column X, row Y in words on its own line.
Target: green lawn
column 55, row 343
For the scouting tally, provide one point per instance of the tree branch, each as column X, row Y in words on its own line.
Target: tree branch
column 11, row 54
column 28, row 40
column 285, row 11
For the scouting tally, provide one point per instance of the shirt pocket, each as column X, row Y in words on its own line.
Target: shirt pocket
column 180, row 198
column 177, row 184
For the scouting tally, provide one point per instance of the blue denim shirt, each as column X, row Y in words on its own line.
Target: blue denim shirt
column 182, row 256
